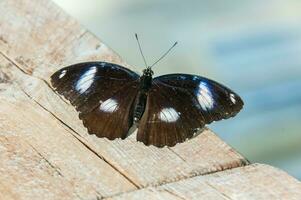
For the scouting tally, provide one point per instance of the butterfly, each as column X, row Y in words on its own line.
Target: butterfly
column 167, row 109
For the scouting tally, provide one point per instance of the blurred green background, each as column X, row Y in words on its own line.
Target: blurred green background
column 252, row 46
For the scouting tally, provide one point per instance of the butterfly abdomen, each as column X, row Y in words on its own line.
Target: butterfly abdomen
column 144, row 86
column 139, row 106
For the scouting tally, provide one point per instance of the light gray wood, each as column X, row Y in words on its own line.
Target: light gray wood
column 40, row 158
column 256, row 181
column 45, row 40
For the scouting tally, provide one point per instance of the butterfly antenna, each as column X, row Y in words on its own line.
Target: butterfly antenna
column 165, row 54
column 141, row 50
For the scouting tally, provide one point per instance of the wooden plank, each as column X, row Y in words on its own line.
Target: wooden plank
column 49, row 40
column 46, row 39
column 80, row 171
column 38, row 179
column 255, row 181
column 216, row 155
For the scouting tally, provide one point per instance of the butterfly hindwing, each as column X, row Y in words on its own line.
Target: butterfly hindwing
column 190, row 102
column 103, row 93
column 114, row 117
column 168, row 118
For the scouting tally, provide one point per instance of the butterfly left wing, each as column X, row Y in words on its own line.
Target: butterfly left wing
column 103, row 93
column 178, row 105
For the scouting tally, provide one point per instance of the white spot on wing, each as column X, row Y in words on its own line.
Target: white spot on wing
column 232, row 98
column 63, row 73
column 109, row 105
column 169, row 115
column 86, row 80
column 204, row 96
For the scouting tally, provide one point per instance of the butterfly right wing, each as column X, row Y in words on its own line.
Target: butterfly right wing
column 169, row 117
column 178, row 105
column 103, row 93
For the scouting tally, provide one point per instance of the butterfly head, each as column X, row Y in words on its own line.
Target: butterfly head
column 148, row 72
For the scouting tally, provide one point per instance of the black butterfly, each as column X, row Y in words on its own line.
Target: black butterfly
column 169, row 108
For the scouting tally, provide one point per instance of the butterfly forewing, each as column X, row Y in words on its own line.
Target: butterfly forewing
column 103, row 93
column 213, row 100
column 180, row 104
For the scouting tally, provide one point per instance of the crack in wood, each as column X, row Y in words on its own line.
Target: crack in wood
column 174, row 194
column 177, row 154
column 57, row 169
column 179, row 180
column 81, row 141
column 218, row 191
column 10, row 60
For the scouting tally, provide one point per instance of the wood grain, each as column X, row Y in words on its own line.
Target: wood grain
column 46, row 152
column 255, row 181
column 50, row 40
column 33, row 135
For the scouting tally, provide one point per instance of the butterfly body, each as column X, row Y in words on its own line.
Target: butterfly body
column 168, row 109
column 145, row 83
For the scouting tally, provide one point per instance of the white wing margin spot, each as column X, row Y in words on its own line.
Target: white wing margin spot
column 232, row 98
column 62, row 74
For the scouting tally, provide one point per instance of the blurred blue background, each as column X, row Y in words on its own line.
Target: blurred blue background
column 252, row 46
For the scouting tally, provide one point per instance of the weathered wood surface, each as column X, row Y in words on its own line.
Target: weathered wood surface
column 45, row 152
column 256, row 181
